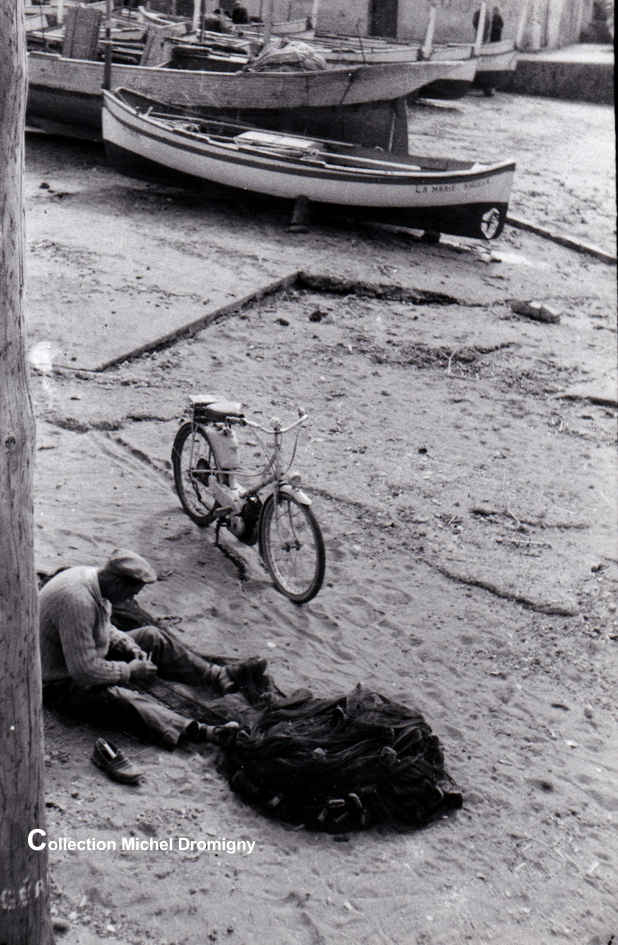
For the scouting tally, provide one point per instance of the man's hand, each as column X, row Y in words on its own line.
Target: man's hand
column 142, row 669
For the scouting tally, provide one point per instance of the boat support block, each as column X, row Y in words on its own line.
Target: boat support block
column 301, row 216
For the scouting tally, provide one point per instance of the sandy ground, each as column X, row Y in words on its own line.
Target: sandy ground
column 460, row 460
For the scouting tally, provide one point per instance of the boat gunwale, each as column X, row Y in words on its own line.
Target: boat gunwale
column 355, row 68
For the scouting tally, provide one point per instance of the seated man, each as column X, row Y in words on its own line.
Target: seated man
column 89, row 666
column 217, row 22
column 239, row 12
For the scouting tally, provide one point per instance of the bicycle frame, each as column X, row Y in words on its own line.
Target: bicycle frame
column 273, row 465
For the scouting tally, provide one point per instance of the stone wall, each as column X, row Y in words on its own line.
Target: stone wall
column 551, row 24
column 576, row 81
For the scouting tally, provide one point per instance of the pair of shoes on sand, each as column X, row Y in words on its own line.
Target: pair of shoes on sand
column 114, row 763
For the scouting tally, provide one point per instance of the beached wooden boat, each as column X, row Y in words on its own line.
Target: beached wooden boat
column 147, row 16
column 461, row 197
column 278, row 27
column 122, row 29
column 454, row 83
column 284, row 27
column 452, row 80
column 68, row 91
column 370, row 49
column 487, row 66
column 373, row 50
column 493, row 61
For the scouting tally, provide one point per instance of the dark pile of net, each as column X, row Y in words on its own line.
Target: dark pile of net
column 341, row 764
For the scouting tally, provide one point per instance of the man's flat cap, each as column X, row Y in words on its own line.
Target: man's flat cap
column 129, row 565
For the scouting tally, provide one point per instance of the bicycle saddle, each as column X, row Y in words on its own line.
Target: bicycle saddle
column 202, row 400
column 217, row 409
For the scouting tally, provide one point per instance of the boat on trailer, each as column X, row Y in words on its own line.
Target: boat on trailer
column 465, row 198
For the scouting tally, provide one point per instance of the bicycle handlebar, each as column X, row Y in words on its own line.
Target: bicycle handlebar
column 276, row 428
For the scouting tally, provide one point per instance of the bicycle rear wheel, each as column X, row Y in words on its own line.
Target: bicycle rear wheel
column 292, row 547
column 195, row 466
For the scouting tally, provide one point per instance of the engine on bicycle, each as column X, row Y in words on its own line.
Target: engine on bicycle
column 245, row 525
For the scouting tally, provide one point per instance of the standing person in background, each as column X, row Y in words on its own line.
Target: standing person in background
column 497, row 25
column 494, row 24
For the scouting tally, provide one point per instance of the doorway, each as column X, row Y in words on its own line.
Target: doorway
column 383, row 16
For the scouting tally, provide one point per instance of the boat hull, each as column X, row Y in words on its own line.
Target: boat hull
column 446, row 89
column 453, row 86
column 469, row 203
column 64, row 112
column 495, row 64
column 450, row 80
column 373, row 124
column 70, row 89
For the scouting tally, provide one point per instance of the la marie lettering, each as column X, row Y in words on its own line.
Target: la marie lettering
column 447, row 188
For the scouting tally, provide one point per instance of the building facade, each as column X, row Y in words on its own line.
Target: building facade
column 534, row 24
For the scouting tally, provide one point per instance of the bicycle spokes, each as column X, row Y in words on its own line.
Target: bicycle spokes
column 292, row 547
column 195, row 468
column 289, row 529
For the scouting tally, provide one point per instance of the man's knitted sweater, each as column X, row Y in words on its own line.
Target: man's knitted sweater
column 76, row 633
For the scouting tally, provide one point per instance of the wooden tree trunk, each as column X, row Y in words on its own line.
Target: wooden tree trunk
column 24, row 910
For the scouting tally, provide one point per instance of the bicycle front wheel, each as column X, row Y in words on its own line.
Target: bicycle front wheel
column 195, row 468
column 292, row 547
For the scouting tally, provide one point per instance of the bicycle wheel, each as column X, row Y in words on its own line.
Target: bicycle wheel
column 195, row 465
column 292, row 547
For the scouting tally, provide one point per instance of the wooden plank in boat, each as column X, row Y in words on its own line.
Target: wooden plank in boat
column 81, row 33
column 36, row 23
column 277, row 143
column 154, row 52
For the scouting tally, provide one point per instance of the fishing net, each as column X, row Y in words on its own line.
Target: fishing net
column 291, row 57
column 341, row 764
